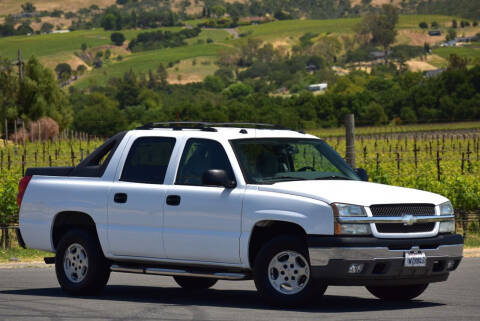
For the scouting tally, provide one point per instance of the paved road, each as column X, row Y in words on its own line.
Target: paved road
column 33, row 294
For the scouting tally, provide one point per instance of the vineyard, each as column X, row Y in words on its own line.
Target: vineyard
column 447, row 163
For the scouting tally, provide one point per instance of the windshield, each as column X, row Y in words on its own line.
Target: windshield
column 272, row 160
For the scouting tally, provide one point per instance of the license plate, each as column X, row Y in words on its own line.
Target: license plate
column 416, row 259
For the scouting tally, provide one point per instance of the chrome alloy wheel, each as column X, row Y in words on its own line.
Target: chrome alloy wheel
column 288, row 272
column 75, row 263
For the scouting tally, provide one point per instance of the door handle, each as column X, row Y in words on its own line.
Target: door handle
column 120, row 198
column 173, row 200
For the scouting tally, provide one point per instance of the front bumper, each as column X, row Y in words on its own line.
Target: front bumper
column 382, row 259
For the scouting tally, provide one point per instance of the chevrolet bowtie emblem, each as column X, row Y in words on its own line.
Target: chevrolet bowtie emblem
column 409, row 219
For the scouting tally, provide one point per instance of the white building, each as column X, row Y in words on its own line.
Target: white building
column 318, row 87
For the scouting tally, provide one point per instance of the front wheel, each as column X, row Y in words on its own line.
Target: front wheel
column 193, row 283
column 80, row 265
column 397, row 293
column 282, row 272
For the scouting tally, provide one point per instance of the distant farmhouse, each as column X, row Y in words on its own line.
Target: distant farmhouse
column 318, row 87
column 433, row 73
column 60, row 31
column 434, row 33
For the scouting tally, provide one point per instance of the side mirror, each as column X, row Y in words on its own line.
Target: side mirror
column 362, row 174
column 217, row 177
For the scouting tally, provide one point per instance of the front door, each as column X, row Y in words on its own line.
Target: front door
column 136, row 201
column 202, row 223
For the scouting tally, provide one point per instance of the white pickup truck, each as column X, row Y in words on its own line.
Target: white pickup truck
column 203, row 202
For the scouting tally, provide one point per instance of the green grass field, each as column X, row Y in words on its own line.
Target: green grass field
column 472, row 52
column 143, row 61
column 53, row 44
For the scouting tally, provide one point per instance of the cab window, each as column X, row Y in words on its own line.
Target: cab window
column 148, row 159
column 199, row 156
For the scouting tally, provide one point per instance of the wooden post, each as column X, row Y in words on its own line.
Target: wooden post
column 439, row 170
column 20, row 66
column 24, row 134
column 398, row 162
column 23, row 165
column 6, row 133
column 350, row 139
column 15, row 129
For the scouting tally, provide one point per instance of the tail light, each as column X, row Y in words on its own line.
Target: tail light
column 22, row 187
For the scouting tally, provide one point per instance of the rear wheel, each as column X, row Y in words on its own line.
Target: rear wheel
column 192, row 283
column 80, row 265
column 397, row 293
column 282, row 272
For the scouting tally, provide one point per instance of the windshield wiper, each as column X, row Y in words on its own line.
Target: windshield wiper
column 332, row 177
column 284, row 179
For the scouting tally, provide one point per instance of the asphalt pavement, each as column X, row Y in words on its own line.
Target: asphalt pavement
column 33, row 294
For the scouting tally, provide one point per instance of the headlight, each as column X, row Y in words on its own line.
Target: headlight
column 349, row 210
column 446, row 209
column 447, row 227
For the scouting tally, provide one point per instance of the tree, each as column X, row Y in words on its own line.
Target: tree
column 81, row 69
column 238, row 90
column 46, row 27
column 24, row 28
column 100, row 116
column 213, row 83
column 381, row 27
column 40, row 95
column 64, row 71
column 423, row 25
column 435, row 25
column 162, row 74
column 457, row 63
column 109, row 22
column 28, row 7
column 117, row 38
column 451, row 35
column 83, row 46
column 426, row 48
column 219, row 11
column 454, row 24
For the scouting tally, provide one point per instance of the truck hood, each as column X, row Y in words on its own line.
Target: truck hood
column 354, row 192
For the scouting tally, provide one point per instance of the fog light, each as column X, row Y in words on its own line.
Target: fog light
column 450, row 265
column 356, row 268
column 352, row 229
column 447, row 227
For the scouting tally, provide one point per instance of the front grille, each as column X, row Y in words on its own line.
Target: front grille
column 399, row 210
column 394, row 210
column 401, row 228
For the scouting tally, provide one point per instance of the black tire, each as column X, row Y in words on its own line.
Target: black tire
column 192, row 283
column 95, row 270
column 263, row 274
column 397, row 293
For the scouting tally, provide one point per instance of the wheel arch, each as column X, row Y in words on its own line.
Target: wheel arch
column 265, row 230
column 67, row 220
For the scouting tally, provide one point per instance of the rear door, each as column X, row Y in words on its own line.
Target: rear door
column 136, row 201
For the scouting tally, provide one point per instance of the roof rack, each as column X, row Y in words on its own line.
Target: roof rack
column 207, row 126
